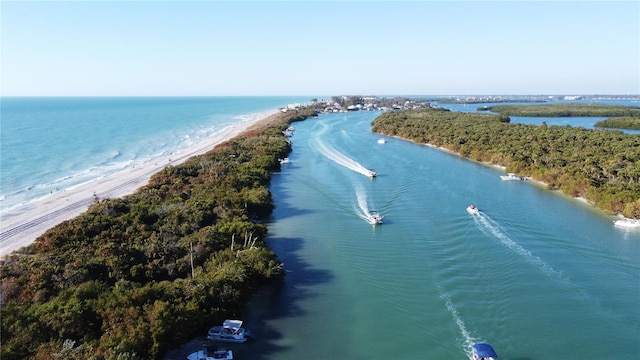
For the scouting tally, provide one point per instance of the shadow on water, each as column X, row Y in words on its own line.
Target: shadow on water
column 275, row 301
column 280, row 300
column 283, row 299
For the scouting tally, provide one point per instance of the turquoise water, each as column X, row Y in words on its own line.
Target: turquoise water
column 50, row 144
column 538, row 275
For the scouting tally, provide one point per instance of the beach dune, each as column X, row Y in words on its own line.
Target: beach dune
column 22, row 225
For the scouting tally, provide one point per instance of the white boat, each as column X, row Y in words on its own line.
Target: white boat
column 285, row 161
column 511, row 176
column 230, row 331
column 374, row 218
column 371, row 173
column 473, row 210
column 211, row 353
column 483, row 351
column 382, row 141
column 627, row 223
column 288, row 132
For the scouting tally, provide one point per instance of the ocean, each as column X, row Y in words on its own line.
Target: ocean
column 539, row 275
column 52, row 144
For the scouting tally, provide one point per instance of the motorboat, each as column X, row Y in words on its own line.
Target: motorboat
column 473, row 210
column 382, row 141
column 627, row 223
column 288, row 132
column 211, row 353
column 230, row 331
column 285, row 161
column 511, row 176
column 371, row 173
column 374, row 218
column 483, row 351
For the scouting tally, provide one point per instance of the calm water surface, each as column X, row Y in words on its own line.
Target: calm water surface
column 538, row 275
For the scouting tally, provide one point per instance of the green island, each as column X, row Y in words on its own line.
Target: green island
column 132, row 277
column 630, row 123
column 600, row 166
column 621, row 117
column 567, row 110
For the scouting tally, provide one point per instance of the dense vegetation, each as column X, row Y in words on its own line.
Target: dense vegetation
column 598, row 165
column 568, row 110
column 630, row 123
column 117, row 283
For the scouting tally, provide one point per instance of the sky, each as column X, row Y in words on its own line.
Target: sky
column 319, row 48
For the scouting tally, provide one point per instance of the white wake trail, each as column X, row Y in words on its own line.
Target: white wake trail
column 334, row 155
column 493, row 229
column 467, row 339
column 362, row 201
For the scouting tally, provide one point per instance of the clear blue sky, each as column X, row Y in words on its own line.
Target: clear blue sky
column 142, row 48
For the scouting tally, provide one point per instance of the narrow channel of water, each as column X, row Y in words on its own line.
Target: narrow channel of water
column 538, row 275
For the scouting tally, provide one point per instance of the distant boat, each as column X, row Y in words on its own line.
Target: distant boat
column 211, row 353
column 627, row 223
column 382, row 141
column 285, row 161
column 511, row 176
column 483, row 351
column 374, row 218
column 371, row 173
column 473, row 210
column 230, row 331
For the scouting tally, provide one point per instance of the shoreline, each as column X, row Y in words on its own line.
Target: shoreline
column 22, row 225
column 542, row 184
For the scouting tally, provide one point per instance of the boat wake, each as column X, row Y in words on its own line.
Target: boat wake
column 490, row 228
column 467, row 339
column 362, row 207
column 341, row 159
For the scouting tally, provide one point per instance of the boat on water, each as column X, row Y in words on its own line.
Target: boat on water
column 483, row 351
column 374, row 218
column 371, row 173
column 210, row 353
column 473, row 210
column 288, row 132
column 627, row 223
column 511, row 176
column 382, row 141
column 285, row 161
column 230, row 331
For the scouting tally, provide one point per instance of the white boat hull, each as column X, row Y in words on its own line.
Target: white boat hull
column 511, row 177
column 231, row 331
column 374, row 218
column 211, row 355
column 627, row 223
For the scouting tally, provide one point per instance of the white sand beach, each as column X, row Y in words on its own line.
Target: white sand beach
column 20, row 227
